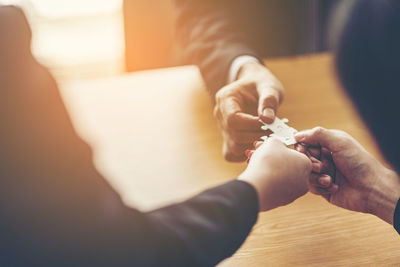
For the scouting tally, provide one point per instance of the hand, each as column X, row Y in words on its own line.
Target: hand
column 279, row 174
column 361, row 183
column 239, row 105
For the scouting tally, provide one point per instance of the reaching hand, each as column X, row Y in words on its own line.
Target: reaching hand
column 239, row 105
column 279, row 174
column 347, row 175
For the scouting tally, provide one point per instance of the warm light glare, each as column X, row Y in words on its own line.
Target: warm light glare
column 76, row 36
column 62, row 8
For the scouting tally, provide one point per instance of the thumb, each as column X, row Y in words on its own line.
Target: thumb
column 319, row 136
column 267, row 104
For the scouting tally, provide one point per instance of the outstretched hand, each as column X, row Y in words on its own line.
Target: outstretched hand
column 239, row 105
column 347, row 175
column 279, row 174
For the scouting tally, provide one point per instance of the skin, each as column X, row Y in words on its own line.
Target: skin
column 239, row 105
column 276, row 185
column 346, row 175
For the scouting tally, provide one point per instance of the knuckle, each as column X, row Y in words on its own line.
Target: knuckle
column 319, row 130
column 221, row 94
column 343, row 134
column 218, row 97
column 216, row 111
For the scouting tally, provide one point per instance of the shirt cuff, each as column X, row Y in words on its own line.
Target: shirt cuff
column 237, row 63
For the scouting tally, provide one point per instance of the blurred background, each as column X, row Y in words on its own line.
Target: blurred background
column 81, row 39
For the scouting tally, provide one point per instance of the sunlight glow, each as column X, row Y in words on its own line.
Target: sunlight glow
column 73, row 34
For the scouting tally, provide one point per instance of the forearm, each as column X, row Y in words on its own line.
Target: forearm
column 383, row 197
column 208, row 227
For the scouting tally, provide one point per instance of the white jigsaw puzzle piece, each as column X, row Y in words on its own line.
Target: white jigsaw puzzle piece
column 280, row 130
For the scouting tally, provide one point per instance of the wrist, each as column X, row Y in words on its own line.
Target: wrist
column 265, row 198
column 250, row 68
column 383, row 197
column 262, row 76
column 237, row 64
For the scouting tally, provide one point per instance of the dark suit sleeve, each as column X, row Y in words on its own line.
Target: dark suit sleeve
column 209, row 37
column 396, row 217
column 207, row 228
column 57, row 210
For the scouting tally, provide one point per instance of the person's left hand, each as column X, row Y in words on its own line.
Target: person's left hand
column 347, row 175
column 279, row 174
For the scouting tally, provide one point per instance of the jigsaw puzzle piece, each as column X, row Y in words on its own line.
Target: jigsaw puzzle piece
column 280, row 130
column 287, row 140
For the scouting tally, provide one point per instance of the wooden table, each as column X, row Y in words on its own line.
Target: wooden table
column 157, row 142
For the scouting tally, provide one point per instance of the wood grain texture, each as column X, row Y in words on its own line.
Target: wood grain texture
column 155, row 139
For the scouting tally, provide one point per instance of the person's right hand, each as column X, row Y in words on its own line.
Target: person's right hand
column 255, row 95
column 347, row 175
column 279, row 174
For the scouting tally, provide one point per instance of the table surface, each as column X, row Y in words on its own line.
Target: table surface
column 156, row 141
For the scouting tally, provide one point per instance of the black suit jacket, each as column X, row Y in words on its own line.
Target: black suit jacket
column 211, row 33
column 57, row 210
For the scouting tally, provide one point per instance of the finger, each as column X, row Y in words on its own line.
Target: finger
column 322, row 181
column 249, row 153
column 233, row 116
column 316, row 163
column 243, row 122
column 328, row 167
column 233, row 155
column 300, row 148
column 320, row 192
column 325, row 181
column 267, row 104
column 315, row 151
column 319, row 137
column 316, row 166
column 234, row 151
column 333, row 189
column 312, row 158
column 324, row 191
column 257, row 144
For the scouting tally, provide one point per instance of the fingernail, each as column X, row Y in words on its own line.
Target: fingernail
column 269, row 113
column 324, row 180
column 299, row 137
column 247, row 152
column 255, row 143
